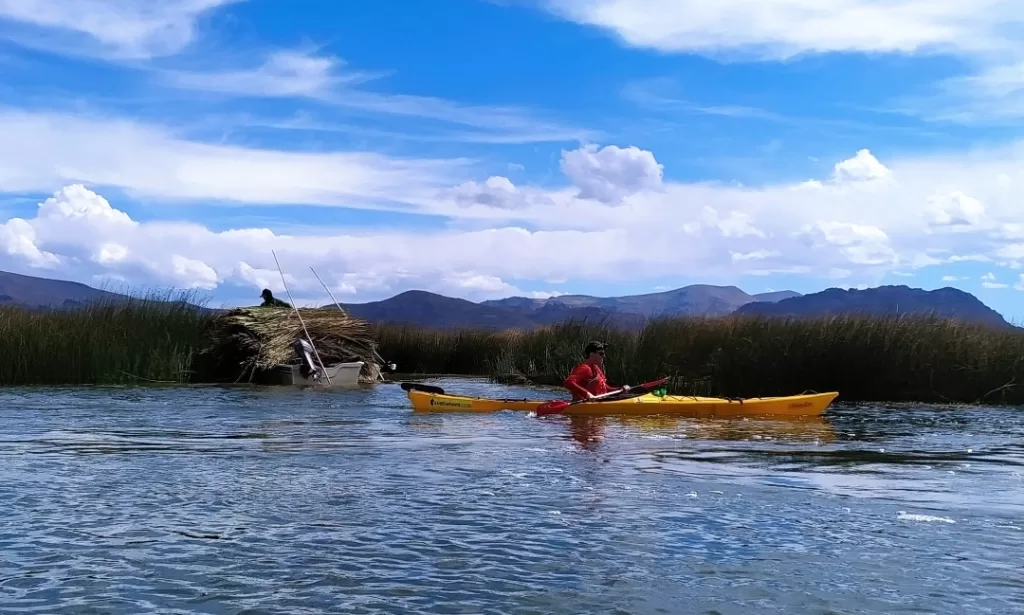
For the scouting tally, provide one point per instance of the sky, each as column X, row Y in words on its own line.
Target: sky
column 490, row 148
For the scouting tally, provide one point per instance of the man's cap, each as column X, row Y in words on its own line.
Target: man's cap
column 594, row 347
column 266, row 293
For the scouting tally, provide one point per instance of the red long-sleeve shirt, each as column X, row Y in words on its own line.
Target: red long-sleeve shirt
column 586, row 377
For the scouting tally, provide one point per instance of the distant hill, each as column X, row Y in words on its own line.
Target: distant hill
column 33, row 292
column 694, row 300
column 422, row 308
column 427, row 309
column 883, row 300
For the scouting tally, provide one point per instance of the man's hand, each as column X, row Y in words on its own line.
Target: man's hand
column 590, row 395
column 625, row 388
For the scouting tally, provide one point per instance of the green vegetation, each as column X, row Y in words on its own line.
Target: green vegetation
column 153, row 337
column 893, row 359
column 160, row 339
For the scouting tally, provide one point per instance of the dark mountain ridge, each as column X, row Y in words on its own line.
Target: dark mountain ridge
column 944, row 302
column 425, row 309
column 696, row 299
column 41, row 294
column 32, row 292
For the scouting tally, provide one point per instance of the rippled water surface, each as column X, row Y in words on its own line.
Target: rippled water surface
column 258, row 501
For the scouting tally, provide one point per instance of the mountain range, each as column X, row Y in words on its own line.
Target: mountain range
column 884, row 300
column 426, row 309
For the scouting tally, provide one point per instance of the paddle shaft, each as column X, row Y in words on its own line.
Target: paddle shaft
column 555, row 407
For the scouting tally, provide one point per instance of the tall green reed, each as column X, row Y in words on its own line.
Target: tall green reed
column 895, row 359
column 151, row 337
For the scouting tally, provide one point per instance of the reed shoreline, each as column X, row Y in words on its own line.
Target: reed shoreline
column 159, row 339
column 866, row 359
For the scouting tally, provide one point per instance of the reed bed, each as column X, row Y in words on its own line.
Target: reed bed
column 895, row 359
column 167, row 338
column 152, row 337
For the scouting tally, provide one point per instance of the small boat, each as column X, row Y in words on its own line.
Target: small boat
column 307, row 372
column 426, row 398
column 341, row 374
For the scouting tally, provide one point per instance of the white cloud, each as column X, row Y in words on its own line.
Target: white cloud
column 47, row 151
column 994, row 94
column 192, row 273
column 498, row 192
column 989, row 281
column 1000, row 80
column 260, row 278
column 779, row 29
column 77, row 203
column 18, row 239
column 125, row 29
column 282, row 74
column 758, row 255
column 110, row 253
column 977, row 258
column 1013, row 251
column 611, row 173
column 862, row 167
column 304, row 74
column 860, row 244
column 737, row 224
column 956, row 210
column 502, row 233
column 91, row 238
column 44, row 151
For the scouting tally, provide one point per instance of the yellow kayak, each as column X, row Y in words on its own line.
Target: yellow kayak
column 425, row 398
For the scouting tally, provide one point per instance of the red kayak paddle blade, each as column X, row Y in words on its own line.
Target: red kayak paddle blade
column 552, row 407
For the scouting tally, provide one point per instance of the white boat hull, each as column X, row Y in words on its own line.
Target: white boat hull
column 341, row 374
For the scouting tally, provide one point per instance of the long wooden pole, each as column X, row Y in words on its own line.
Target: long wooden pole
column 302, row 322
column 327, row 288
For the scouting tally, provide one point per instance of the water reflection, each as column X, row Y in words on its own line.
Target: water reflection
column 590, row 431
column 587, row 431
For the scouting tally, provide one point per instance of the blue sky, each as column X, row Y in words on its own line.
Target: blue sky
column 486, row 148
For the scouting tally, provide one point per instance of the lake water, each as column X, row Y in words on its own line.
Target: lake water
column 253, row 501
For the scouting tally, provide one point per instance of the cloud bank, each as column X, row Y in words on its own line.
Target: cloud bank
column 615, row 219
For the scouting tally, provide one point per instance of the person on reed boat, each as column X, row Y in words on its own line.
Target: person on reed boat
column 269, row 300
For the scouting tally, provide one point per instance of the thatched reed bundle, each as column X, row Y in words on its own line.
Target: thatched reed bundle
column 261, row 338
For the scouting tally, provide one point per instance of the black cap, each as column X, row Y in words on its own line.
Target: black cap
column 593, row 347
column 266, row 293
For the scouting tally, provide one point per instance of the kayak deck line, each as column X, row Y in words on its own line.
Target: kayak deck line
column 804, row 404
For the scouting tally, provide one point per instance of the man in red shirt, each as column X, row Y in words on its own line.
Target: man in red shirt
column 587, row 379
